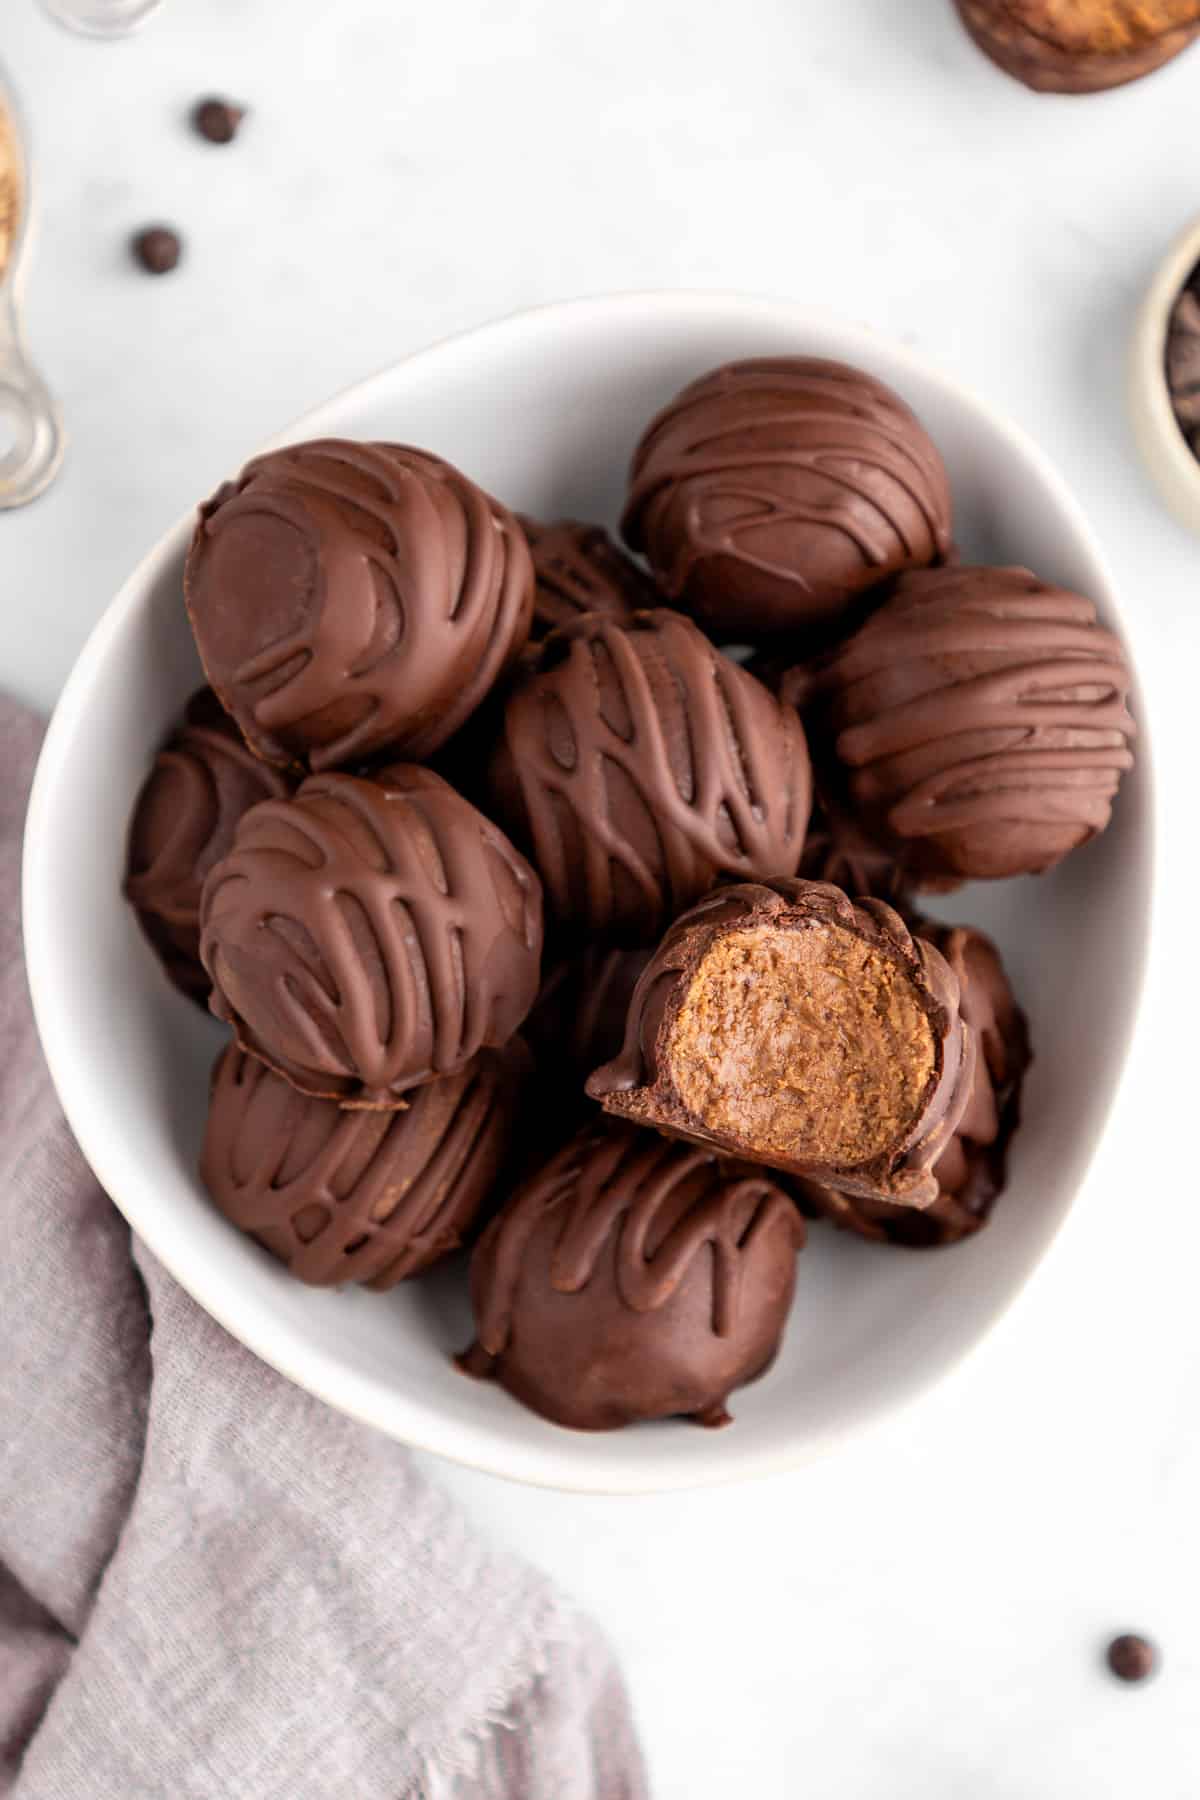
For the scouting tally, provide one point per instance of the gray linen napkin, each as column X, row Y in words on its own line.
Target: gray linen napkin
column 210, row 1584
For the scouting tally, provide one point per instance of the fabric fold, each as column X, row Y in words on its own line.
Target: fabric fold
column 211, row 1585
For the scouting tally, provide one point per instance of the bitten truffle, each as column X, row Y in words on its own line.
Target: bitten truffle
column 980, row 721
column 1080, row 46
column 353, row 598
column 202, row 782
column 578, row 569
column 784, row 1024
column 632, row 1278
column 370, row 935
column 342, row 1195
column 638, row 764
column 769, row 495
column 970, row 1172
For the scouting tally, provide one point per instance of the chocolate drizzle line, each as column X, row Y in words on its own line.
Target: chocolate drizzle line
column 723, row 445
column 345, row 1195
column 579, row 569
column 624, row 1187
column 978, row 699
column 412, row 591
column 210, row 779
column 384, row 929
column 639, row 764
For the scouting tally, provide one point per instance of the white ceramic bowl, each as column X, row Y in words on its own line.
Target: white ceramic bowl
column 544, row 409
column 1164, row 448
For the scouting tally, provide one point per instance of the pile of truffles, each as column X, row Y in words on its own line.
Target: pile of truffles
column 540, row 920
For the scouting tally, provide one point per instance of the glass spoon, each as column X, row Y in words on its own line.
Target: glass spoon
column 32, row 439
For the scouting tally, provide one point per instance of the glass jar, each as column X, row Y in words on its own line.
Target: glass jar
column 31, row 433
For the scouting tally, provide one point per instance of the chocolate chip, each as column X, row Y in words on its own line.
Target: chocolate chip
column 157, row 248
column 1131, row 1658
column 217, row 120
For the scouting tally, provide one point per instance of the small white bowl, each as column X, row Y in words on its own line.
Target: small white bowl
column 1165, row 450
column 544, row 409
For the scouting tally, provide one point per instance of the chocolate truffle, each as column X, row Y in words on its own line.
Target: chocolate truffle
column 1080, row 46
column 980, row 722
column 354, row 598
column 638, row 764
column 632, row 1278
column 578, row 1022
column 770, row 494
column 785, row 1024
column 838, row 852
column 370, row 935
column 578, row 569
column 203, row 780
column 970, row 1172
column 341, row 1194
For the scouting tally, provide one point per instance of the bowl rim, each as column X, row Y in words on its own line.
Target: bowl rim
column 1164, row 450
column 369, row 1399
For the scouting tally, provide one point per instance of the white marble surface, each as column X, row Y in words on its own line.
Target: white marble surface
column 921, row 1617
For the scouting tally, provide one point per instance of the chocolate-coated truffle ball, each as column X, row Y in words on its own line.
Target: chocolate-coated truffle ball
column 579, row 569
column 838, row 852
column 768, row 495
column 980, row 722
column 784, row 1024
column 1080, row 46
column 203, row 780
column 352, row 598
column 970, row 1172
column 632, row 1278
column 638, row 764
column 577, row 1023
column 370, row 935
column 340, row 1194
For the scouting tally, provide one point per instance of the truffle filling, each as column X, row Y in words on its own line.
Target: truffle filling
column 808, row 1043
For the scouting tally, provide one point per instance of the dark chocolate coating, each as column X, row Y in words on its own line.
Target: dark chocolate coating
column 353, row 598
column 1080, row 46
column 641, row 1084
column 1183, row 362
column 578, row 569
column 577, row 1023
column 370, row 935
column 340, row 1194
column 203, row 780
column 837, row 852
column 770, row 494
column 638, row 765
column 970, row 1172
column 981, row 724
column 632, row 1278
